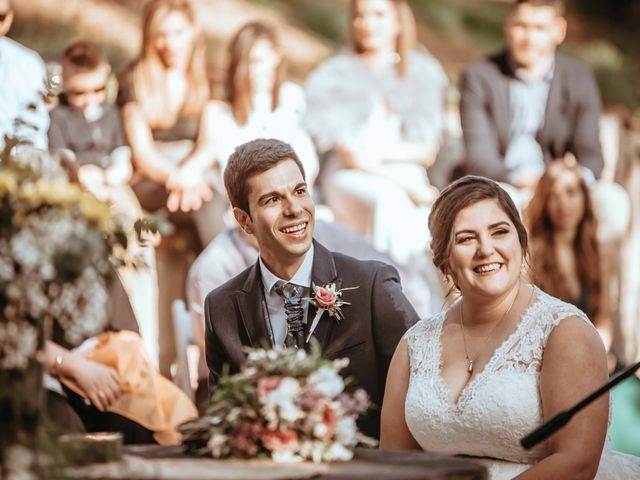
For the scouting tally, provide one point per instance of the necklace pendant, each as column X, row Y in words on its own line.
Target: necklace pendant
column 470, row 368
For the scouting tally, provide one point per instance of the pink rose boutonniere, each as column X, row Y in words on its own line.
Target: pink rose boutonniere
column 327, row 298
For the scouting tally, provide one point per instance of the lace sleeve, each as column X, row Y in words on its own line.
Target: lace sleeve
column 422, row 341
column 525, row 352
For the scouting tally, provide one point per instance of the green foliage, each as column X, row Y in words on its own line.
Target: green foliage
column 328, row 20
column 51, row 38
column 478, row 23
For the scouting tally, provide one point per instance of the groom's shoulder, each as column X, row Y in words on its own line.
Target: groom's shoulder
column 233, row 284
column 361, row 268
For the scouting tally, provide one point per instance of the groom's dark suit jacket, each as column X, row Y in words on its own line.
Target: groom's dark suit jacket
column 373, row 324
column 570, row 124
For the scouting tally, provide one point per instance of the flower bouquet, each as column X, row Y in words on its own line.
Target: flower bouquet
column 288, row 405
column 58, row 245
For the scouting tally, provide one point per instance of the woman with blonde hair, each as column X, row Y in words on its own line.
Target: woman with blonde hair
column 567, row 259
column 376, row 113
column 260, row 102
column 169, row 123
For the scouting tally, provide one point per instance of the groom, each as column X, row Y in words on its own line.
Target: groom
column 266, row 185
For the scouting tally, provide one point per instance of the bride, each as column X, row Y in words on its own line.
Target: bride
column 505, row 357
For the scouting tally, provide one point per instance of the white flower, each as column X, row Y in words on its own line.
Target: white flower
column 337, row 452
column 19, row 463
column 300, row 355
column 340, row 363
column 7, row 272
column 313, row 450
column 285, row 456
column 233, row 414
column 19, row 342
column 319, row 430
column 283, row 397
column 346, row 431
column 327, row 382
column 257, row 355
column 217, row 444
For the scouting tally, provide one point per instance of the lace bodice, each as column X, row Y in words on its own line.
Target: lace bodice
column 500, row 405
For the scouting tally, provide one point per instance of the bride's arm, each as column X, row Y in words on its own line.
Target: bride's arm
column 574, row 365
column 394, row 432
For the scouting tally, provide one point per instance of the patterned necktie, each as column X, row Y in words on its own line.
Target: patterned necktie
column 292, row 296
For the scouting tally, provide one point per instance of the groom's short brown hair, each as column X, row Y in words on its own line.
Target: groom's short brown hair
column 253, row 158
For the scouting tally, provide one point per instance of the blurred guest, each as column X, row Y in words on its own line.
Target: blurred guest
column 261, row 103
column 109, row 383
column 376, row 114
column 90, row 130
column 567, row 260
column 23, row 114
column 169, row 124
column 101, row 384
column 88, row 126
column 530, row 104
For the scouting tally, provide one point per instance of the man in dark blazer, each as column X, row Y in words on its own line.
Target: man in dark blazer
column 266, row 185
column 529, row 102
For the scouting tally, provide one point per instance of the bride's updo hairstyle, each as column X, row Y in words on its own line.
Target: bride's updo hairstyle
column 456, row 197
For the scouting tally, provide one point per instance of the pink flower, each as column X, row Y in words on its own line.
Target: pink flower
column 329, row 418
column 325, row 298
column 266, row 385
column 279, row 439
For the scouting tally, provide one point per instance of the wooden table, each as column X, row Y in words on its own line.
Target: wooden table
column 168, row 463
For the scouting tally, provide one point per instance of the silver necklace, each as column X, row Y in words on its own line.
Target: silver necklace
column 489, row 335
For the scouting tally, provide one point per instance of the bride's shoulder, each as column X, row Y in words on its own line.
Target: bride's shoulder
column 426, row 325
column 555, row 310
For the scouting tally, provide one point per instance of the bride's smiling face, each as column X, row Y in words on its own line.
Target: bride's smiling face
column 485, row 256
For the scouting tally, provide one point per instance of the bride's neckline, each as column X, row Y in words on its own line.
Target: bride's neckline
column 474, row 378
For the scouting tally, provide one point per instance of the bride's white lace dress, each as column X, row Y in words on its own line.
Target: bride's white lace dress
column 500, row 405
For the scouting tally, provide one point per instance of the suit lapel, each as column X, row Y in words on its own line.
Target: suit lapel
column 554, row 107
column 250, row 305
column 503, row 115
column 322, row 273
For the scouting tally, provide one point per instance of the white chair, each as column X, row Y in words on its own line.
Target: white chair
column 183, row 334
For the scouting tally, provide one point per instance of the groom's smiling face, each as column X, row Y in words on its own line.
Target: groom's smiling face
column 281, row 217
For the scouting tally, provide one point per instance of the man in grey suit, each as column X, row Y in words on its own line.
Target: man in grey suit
column 530, row 104
column 266, row 185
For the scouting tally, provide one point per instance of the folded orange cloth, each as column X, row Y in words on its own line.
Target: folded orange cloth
column 148, row 398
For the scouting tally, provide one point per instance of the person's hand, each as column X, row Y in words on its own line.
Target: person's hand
column 93, row 179
column 100, row 383
column 187, row 189
column 120, row 171
column 189, row 200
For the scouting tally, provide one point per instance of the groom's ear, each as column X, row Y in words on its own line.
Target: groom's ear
column 244, row 220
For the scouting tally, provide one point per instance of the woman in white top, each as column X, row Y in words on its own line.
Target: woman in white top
column 261, row 104
column 376, row 115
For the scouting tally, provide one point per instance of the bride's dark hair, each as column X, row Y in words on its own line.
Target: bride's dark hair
column 456, row 197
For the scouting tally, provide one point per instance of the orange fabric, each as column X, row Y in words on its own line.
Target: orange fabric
column 148, row 398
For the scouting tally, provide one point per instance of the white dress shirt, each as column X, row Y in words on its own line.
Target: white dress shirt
column 23, row 113
column 277, row 319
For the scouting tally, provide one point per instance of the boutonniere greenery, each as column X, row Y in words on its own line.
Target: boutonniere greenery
column 328, row 299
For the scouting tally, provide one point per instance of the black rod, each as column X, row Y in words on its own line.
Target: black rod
column 561, row 419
